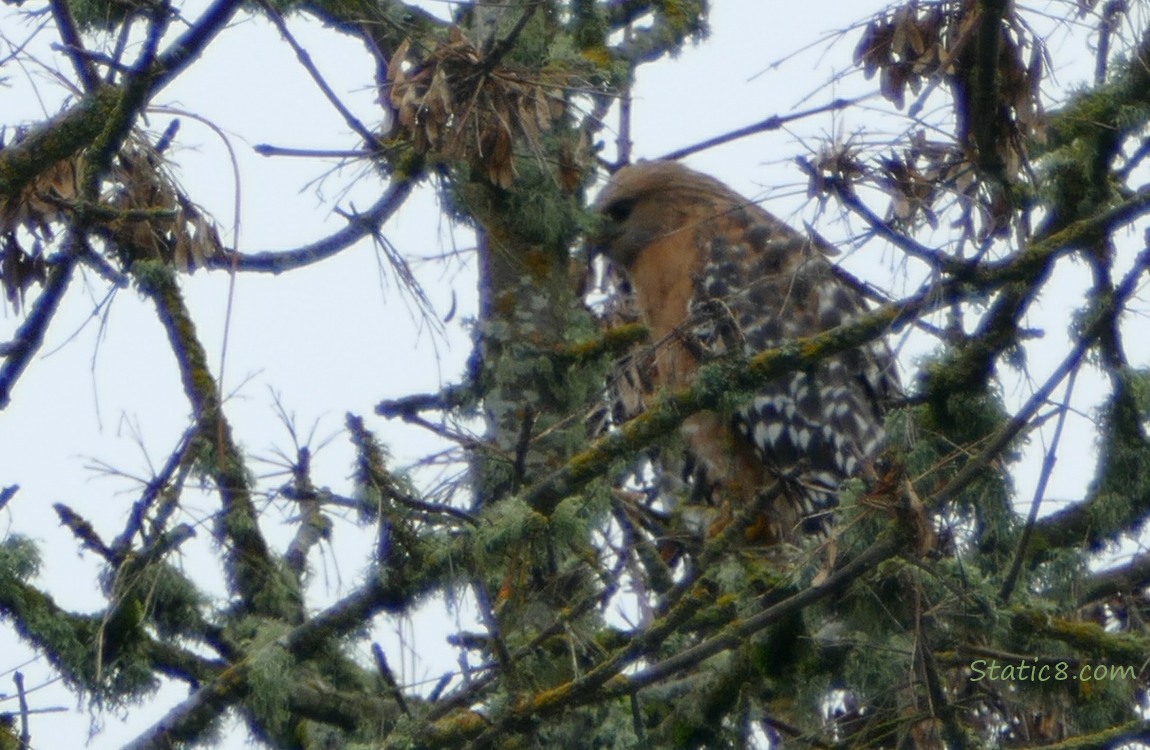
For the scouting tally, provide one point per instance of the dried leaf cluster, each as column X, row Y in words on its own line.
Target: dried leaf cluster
column 40, row 204
column 914, row 47
column 459, row 105
column 142, row 214
column 20, row 269
column 36, row 208
column 152, row 217
column 905, row 49
column 928, row 172
column 919, row 179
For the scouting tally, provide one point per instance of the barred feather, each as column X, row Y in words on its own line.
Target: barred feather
column 713, row 273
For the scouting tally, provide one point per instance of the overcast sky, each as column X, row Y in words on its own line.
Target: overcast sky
column 341, row 336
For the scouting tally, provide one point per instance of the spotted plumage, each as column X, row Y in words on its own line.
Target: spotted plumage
column 710, row 273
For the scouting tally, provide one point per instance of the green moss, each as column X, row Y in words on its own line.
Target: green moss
column 154, row 277
column 19, row 558
column 1120, row 491
column 271, row 674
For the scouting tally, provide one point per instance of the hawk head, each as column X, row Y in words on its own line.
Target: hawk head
column 646, row 202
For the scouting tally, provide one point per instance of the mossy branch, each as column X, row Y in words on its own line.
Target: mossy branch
column 606, row 681
column 79, row 126
column 614, row 342
column 1084, row 637
column 69, row 640
column 254, row 575
column 189, row 719
column 1126, row 735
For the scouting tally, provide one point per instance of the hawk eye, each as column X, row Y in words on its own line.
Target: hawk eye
column 619, row 210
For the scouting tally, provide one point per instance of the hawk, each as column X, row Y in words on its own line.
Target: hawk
column 711, row 273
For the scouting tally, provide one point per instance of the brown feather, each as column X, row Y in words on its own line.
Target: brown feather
column 713, row 273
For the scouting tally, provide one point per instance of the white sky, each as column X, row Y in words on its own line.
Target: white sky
column 339, row 336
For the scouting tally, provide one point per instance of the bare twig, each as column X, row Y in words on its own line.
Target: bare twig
column 364, row 224
column 774, row 122
column 1106, row 26
column 25, row 732
column 1048, row 462
column 7, row 493
column 192, row 42
column 30, row 335
column 389, row 677
column 936, row 259
column 178, row 459
column 623, row 142
column 264, row 149
column 305, row 60
column 73, row 44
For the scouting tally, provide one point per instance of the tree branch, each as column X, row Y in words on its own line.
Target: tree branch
column 774, row 122
column 363, row 225
column 76, row 128
column 30, row 335
column 73, row 45
column 607, row 681
column 253, row 574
